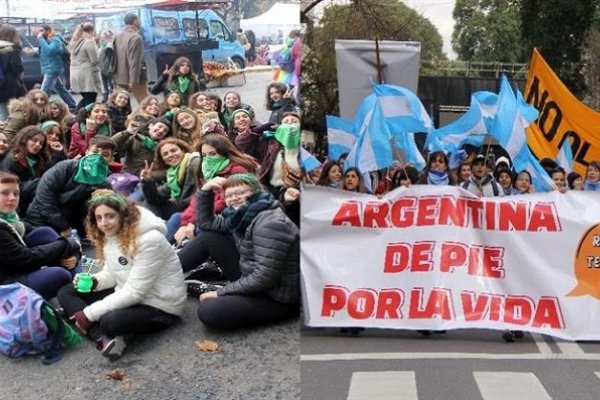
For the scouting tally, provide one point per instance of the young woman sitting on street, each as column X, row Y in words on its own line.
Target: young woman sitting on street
column 55, row 139
column 180, row 79
column 36, row 257
column 257, row 247
column 174, row 156
column 231, row 102
column 187, row 127
column 28, row 158
column 91, row 120
column 140, row 287
column 119, row 108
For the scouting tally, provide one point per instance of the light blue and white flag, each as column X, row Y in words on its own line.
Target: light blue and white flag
column 402, row 110
column 488, row 106
column 470, row 128
column 308, row 161
column 564, row 158
column 406, row 143
column 340, row 137
column 372, row 150
column 528, row 112
column 509, row 126
column 541, row 181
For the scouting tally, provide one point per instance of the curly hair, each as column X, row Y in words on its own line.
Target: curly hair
column 281, row 88
column 63, row 117
column 19, row 148
column 129, row 217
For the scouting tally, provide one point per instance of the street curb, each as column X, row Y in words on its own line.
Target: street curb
column 259, row 68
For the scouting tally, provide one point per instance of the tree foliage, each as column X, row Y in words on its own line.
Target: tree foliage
column 488, row 30
column 363, row 19
column 559, row 28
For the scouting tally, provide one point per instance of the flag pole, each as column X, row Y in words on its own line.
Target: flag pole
column 378, row 58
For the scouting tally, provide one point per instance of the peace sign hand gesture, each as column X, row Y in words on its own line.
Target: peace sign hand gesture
column 146, row 173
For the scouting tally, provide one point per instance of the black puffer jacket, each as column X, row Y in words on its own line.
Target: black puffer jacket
column 12, row 65
column 269, row 252
column 18, row 259
column 58, row 196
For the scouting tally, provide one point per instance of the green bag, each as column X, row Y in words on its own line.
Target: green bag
column 70, row 336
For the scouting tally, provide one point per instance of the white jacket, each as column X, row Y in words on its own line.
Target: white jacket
column 153, row 277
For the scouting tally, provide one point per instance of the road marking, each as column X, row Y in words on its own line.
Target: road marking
column 597, row 374
column 383, row 385
column 541, row 344
column 569, row 348
column 450, row 356
column 510, row 385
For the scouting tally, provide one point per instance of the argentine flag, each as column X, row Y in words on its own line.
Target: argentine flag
column 509, row 126
column 372, row 150
column 564, row 158
column 402, row 109
column 340, row 137
column 308, row 161
column 470, row 128
column 541, row 181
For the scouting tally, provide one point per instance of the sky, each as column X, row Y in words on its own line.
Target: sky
column 439, row 12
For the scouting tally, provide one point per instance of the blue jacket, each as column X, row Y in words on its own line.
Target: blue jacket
column 51, row 55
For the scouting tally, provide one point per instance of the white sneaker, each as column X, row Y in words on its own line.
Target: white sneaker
column 112, row 348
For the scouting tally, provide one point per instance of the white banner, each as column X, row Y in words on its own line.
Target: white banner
column 356, row 64
column 438, row 258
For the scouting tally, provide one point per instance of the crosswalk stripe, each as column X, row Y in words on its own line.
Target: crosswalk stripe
column 541, row 343
column 510, row 385
column 383, row 385
column 569, row 348
column 447, row 356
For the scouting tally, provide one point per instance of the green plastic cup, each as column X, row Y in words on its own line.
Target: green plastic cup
column 84, row 283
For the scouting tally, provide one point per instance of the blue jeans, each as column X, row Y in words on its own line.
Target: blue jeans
column 53, row 83
column 107, row 87
column 173, row 225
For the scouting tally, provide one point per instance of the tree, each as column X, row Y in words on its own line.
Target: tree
column 488, row 30
column 561, row 44
column 363, row 19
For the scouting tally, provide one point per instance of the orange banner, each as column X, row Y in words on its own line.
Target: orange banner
column 562, row 117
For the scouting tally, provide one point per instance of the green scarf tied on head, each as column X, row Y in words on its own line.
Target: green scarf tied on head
column 183, row 83
column 103, row 130
column 31, row 163
column 211, row 166
column 288, row 135
column 91, row 170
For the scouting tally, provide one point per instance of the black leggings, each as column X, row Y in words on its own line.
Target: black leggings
column 239, row 311
column 137, row 319
column 219, row 246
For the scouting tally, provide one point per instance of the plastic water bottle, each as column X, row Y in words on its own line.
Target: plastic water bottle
column 75, row 236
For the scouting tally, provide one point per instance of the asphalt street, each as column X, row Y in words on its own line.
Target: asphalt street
column 460, row 364
column 250, row 364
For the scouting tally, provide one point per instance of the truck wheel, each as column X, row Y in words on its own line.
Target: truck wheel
column 238, row 62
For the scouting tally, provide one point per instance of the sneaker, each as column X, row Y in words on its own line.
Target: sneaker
column 208, row 271
column 195, row 288
column 111, row 348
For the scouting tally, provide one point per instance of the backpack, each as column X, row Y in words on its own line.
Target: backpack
column 23, row 330
column 107, row 60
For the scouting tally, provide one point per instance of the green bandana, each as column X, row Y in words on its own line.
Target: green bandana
column 288, row 135
column 183, row 82
column 176, row 175
column 10, row 217
column 91, row 170
column 104, row 129
column 31, row 162
column 211, row 166
column 13, row 219
column 148, row 142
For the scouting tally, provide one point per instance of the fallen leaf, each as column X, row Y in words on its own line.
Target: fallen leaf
column 126, row 383
column 207, row 345
column 116, row 375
